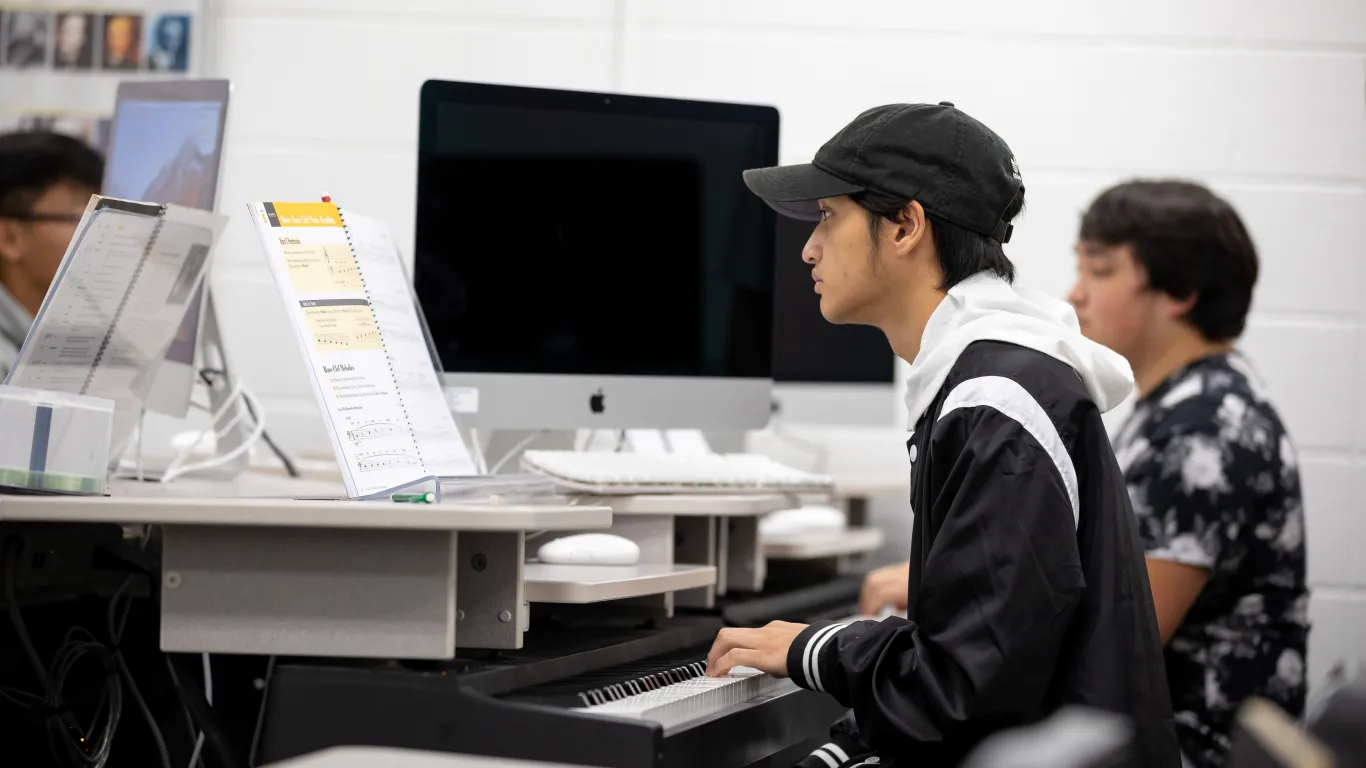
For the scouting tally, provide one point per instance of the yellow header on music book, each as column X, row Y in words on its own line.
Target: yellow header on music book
column 301, row 215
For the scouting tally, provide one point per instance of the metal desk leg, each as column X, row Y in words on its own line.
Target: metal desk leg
column 308, row 591
column 856, row 511
column 695, row 544
column 492, row 611
column 654, row 534
column 746, row 567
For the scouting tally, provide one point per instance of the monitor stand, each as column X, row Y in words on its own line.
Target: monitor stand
column 685, row 442
column 219, row 390
column 212, row 356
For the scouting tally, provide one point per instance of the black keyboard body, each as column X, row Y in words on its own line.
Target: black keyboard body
column 519, row 704
column 835, row 598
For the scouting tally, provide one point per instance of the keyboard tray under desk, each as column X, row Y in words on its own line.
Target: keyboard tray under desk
column 545, row 583
column 719, row 530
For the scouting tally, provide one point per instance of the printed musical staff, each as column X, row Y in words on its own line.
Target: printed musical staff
column 375, row 462
column 321, row 268
column 342, row 325
column 371, row 431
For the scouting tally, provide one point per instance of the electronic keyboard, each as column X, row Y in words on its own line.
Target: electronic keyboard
column 577, row 695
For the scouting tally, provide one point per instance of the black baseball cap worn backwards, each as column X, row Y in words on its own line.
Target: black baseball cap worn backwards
column 958, row 169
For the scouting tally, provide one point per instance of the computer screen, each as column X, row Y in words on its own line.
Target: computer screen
column 593, row 235
column 807, row 348
column 165, row 147
column 165, row 152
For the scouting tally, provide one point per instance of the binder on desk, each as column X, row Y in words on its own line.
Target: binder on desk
column 115, row 304
column 369, row 358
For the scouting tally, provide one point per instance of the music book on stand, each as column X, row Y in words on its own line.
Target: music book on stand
column 353, row 314
column 113, row 308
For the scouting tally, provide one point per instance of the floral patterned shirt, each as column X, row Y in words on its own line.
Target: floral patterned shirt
column 1214, row 482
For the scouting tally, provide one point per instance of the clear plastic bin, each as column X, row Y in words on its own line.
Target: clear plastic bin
column 53, row 442
column 509, row 489
column 478, row 489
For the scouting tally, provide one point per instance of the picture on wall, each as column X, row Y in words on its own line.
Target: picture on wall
column 25, row 38
column 61, row 61
column 168, row 43
column 122, row 41
column 74, row 46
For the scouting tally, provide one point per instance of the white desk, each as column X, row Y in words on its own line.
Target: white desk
column 242, row 573
column 873, row 485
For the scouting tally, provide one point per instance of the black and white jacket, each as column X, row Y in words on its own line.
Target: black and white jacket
column 1028, row 589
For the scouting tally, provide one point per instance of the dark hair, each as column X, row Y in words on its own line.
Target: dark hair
column 1190, row 242
column 33, row 162
column 962, row 252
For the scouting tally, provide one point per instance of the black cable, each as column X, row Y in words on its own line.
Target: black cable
column 67, row 741
column 184, row 709
column 192, row 696
column 11, row 551
column 290, row 469
column 206, row 374
column 261, row 712
column 116, row 636
column 88, row 749
column 8, row 693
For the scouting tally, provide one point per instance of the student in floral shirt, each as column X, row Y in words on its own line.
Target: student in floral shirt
column 1164, row 277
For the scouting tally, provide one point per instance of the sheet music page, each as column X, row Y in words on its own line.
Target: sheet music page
column 356, row 376
column 395, row 308
column 115, row 304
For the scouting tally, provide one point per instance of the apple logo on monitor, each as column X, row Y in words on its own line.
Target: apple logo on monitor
column 595, row 402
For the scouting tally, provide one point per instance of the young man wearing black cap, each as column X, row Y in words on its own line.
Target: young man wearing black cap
column 1026, row 589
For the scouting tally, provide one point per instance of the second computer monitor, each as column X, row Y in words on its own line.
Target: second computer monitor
column 165, row 146
column 590, row 260
column 823, row 373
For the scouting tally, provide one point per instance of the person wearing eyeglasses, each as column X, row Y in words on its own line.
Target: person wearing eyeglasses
column 46, row 180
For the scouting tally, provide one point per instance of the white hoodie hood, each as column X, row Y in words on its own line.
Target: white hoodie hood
column 987, row 308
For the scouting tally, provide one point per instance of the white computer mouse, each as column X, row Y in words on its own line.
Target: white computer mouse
column 589, row 549
column 808, row 519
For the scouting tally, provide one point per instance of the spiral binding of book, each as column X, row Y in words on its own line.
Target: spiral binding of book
column 389, row 360
column 123, row 302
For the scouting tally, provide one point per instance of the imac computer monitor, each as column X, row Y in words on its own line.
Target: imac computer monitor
column 823, row 373
column 165, row 146
column 589, row 260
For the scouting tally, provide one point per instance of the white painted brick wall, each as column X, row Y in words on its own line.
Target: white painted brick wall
column 1263, row 99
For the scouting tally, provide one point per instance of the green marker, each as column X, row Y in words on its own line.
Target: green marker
column 414, row 498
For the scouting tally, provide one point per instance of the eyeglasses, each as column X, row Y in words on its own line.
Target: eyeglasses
column 66, row 218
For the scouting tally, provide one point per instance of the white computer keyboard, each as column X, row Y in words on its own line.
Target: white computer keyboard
column 632, row 473
column 690, row 699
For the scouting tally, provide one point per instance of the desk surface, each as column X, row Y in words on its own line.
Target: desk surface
column 259, row 501
column 873, row 485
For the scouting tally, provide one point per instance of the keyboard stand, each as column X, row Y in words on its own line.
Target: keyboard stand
column 720, row 530
column 253, row 575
